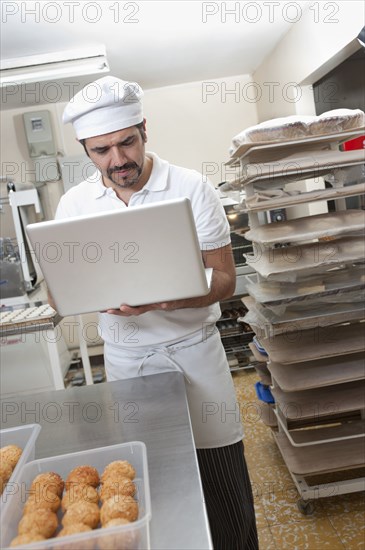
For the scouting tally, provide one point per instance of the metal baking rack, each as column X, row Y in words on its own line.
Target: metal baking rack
column 307, row 312
column 235, row 336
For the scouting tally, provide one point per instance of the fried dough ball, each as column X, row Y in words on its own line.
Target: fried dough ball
column 82, row 512
column 73, row 528
column 76, row 529
column 41, row 521
column 45, row 484
column 28, row 538
column 79, row 493
column 2, row 486
column 120, row 468
column 51, row 502
column 84, row 475
column 10, row 454
column 119, row 507
column 119, row 541
column 5, row 472
column 117, row 486
column 116, row 522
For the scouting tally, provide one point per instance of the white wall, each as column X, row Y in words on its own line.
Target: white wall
column 193, row 124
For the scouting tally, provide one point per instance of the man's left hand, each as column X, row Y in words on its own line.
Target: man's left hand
column 128, row 311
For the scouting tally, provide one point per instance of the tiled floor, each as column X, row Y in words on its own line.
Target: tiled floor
column 338, row 522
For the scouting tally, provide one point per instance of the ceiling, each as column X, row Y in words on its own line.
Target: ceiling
column 154, row 43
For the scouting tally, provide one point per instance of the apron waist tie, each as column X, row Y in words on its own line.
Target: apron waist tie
column 165, row 352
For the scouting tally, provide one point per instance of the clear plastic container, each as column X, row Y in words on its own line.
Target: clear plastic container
column 132, row 536
column 25, row 438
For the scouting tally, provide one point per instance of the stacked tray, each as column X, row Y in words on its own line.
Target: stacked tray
column 306, row 301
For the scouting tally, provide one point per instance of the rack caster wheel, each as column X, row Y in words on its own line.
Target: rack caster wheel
column 306, row 507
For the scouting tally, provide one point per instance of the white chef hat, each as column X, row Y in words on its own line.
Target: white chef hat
column 105, row 105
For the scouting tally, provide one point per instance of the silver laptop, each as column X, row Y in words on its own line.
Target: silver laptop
column 135, row 256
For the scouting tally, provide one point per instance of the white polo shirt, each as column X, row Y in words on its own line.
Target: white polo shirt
column 166, row 181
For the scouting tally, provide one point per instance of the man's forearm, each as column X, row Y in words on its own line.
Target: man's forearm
column 222, row 288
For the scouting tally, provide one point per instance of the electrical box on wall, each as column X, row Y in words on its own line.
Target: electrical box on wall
column 41, row 145
column 38, row 131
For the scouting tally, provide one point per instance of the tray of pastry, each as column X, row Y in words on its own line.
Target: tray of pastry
column 280, row 198
column 27, row 317
column 325, row 402
column 315, row 343
column 335, row 283
column 290, row 262
column 98, row 498
column 314, row 314
column 328, row 224
column 315, row 374
column 332, row 456
column 306, row 165
column 256, row 151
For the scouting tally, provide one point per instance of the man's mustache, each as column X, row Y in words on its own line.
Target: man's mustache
column 126, row 166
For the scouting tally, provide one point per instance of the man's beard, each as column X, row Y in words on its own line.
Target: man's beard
column 129, row 180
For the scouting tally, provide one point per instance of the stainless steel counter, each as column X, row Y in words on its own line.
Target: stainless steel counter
column 152, row 409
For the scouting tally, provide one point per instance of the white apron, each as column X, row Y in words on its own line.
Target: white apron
column 213, row 407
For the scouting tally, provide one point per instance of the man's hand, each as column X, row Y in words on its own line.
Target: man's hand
column 128, row 311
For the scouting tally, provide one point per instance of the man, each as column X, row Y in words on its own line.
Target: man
column 181, row 335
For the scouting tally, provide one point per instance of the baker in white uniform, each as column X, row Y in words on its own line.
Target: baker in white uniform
column 180, row 335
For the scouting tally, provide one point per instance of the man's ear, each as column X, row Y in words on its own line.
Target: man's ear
column 144, row 131
column 83, row 145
